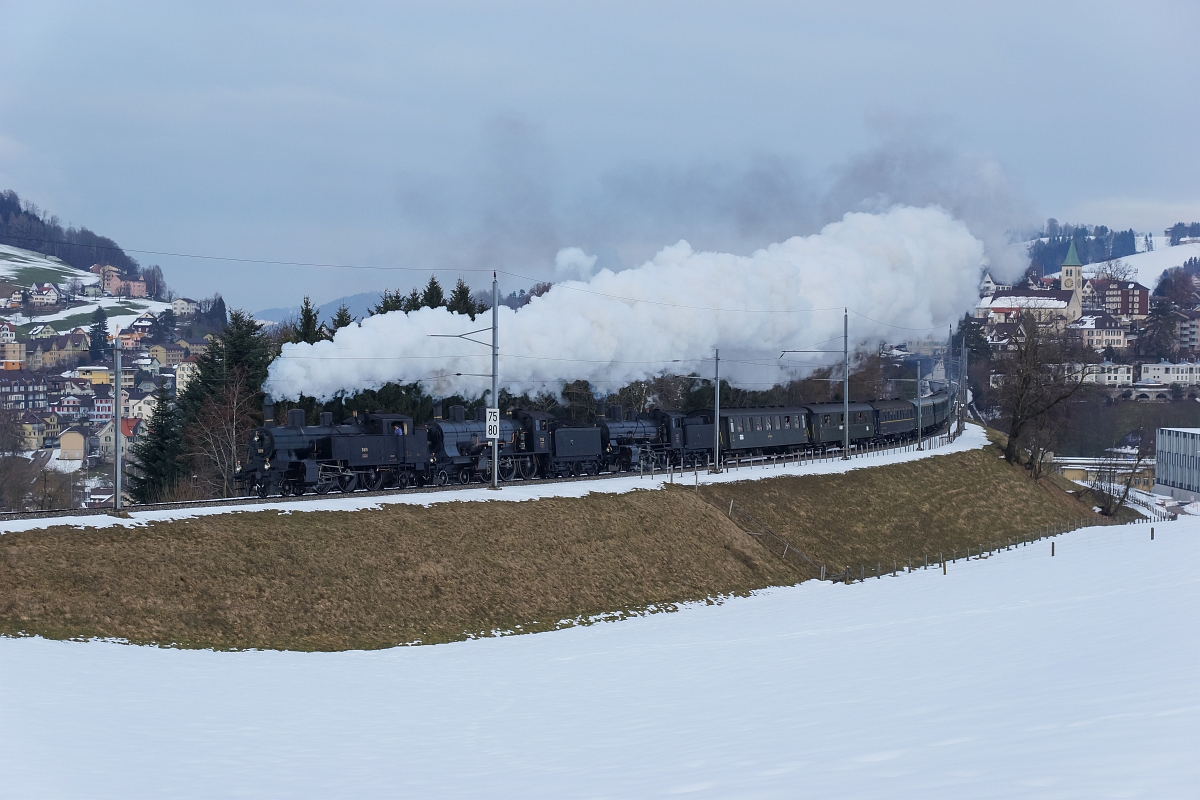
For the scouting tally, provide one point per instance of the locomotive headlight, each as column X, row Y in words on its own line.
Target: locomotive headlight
column 267, row 464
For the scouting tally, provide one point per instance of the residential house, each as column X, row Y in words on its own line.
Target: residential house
column 32, row 431
column 185, row 307
column 67, row 406
column 184, row 372
column 1188, row 323
column 988, row 287
column 168, row 355
column 137, row 405
column 194, row 347
column 1119, row 298
column 116, row 285
column 98, row 374
column 1098, row 330
column 73, row 444
column 12, row 351
column 103, row 408
column 42, row 331
column 132, row 431
column 22, row 391
column 1186, row 373
column 1109, row 374
column 56, row 351
column 44, row 294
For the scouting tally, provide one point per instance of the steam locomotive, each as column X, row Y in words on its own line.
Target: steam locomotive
column 376, row 450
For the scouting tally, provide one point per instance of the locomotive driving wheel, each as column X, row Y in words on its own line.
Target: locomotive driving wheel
column 346, row 481
column 324, row 487
column 528, row 468
column 508, row 468
column 373, row 481
column 262, row 489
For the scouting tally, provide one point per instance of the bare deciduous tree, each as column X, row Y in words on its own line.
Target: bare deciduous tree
column 1115, row 270
column 1042, row 370
column 223, row 428
column 1115, row 476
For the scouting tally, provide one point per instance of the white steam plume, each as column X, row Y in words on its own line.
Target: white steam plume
column 916, row 268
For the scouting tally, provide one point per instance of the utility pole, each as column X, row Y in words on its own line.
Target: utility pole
column 495, row 410
column 717, row 412
column 845, row 384
column 920, row 430
column 117, row 423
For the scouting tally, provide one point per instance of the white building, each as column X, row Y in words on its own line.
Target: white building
column 1177, row 463
column 1165, row 372
column 1109, row 374
column 184, row 307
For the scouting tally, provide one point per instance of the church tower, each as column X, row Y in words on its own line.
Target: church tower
column 1072, row 271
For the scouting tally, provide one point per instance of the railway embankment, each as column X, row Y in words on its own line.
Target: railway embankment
column 407, row 573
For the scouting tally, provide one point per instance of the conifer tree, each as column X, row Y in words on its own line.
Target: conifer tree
column 157, row 457
column 98, row 335
column 433, row 297
column 460, row 300
column 412, row 302
column 341, row 319
column 391, row 300
column 307, row 328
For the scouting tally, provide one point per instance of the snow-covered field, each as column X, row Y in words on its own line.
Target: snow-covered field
column 972, row 438
column 1150, row 265
column 121, row 311
column 13, row 259
column 1021, row 676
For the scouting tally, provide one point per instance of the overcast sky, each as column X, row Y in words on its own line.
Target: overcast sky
column 463, row 136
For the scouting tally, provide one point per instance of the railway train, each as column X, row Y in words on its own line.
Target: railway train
column 377, row 450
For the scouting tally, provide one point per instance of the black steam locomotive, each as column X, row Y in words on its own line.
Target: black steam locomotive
column 376, row 451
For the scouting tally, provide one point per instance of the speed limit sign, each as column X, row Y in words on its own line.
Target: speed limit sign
column 493, row 423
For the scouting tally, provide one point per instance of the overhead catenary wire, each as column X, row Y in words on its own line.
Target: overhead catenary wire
column 508, row 273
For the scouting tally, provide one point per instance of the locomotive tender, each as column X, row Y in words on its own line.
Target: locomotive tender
column 376, row 450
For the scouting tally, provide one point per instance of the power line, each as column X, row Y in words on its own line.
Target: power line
column 423, row 269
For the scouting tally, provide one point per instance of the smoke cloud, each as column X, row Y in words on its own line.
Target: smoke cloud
column 901, row 272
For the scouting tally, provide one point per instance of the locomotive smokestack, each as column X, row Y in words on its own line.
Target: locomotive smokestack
column 437, row 410
column 601, row 411
column 268, row 413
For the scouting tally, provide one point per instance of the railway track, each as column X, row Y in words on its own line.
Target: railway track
column 308, row 498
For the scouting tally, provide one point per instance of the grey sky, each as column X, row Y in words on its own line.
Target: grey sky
column 458, row 136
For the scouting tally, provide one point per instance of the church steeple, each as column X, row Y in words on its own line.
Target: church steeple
column 1072, row 270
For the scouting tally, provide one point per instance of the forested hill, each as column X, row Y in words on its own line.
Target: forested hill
column 24, row 225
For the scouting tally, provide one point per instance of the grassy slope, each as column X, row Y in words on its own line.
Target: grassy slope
column 338, row 580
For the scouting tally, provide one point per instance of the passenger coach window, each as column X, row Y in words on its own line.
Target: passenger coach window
column 768, row 423
column 825, row 419
column 739, row 423
column 778, row 427
column 731, row 426
column 758, row 423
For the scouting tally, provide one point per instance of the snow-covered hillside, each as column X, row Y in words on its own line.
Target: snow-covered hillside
column 1021, row 675
column 24, row 268
column 1149, row 266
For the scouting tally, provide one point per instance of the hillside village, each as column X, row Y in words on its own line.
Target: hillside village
column 58, row 377
column 1147, row 341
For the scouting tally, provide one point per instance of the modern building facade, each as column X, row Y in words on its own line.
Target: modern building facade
column 1177, row 463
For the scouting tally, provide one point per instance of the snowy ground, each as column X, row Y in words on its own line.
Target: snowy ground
column 973, row 438
column 1020, row 675
column 14, row 259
